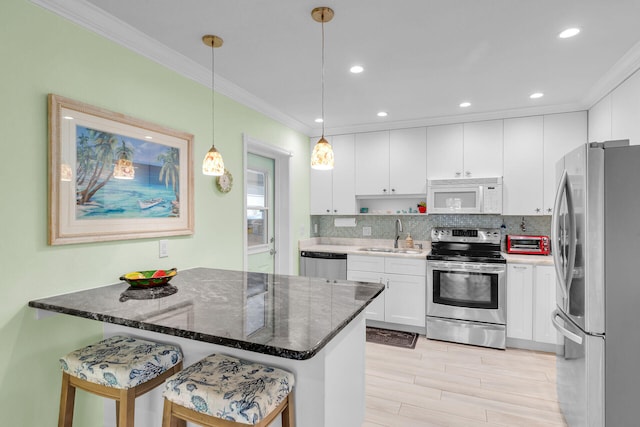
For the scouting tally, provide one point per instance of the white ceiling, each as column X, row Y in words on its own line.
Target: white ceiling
column 421, row 57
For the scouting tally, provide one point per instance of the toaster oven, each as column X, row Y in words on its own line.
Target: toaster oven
column 528, row 245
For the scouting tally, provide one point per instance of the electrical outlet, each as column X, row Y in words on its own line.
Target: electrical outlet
column 366, row 231
column 163, row 249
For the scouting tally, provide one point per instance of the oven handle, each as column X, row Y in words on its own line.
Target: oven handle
column 466, row 267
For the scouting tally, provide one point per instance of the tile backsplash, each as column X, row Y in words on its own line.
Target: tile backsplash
column 383, row 226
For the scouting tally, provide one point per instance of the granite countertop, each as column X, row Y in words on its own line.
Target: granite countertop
column 287, row 316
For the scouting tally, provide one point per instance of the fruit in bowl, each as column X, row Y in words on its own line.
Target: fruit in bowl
column 149, row 278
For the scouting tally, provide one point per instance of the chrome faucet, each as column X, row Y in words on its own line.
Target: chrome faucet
column 398, row 231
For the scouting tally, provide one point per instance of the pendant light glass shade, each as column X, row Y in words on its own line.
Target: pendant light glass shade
column 213, row 164
column 322, row 156
column 124, row 169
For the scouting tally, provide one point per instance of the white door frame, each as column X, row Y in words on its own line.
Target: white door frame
column 282, row 201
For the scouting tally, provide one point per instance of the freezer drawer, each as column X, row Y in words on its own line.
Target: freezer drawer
column 580, row 374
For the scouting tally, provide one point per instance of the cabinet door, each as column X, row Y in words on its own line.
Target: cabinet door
column 600, row 120
column 372, row 163
column 408, row 161
column 544, row 304
column 444, row 151
column 375, row 310
column 625, row 108
column 520, row 301
column 483, row 142
column 562, row 133
column 405, row 301
column 523, row 166
column 400, row 265
column 365, row 263
column 344, row 176
column 320, row 188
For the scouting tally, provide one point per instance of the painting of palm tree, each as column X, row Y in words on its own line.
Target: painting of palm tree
column 152, row 191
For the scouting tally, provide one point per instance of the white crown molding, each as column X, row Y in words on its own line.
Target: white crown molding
column 445, row 120
column 621, row 71
column 98, row 21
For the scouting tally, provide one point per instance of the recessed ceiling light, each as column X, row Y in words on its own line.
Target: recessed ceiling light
column 382, row 114
column 319, row 120
column 465, row 104
column 569, row 32
column 536, row 95
column 356, row 69
column 148, row 137
column 67, row 118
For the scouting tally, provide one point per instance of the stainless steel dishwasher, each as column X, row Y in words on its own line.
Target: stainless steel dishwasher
column 328, row 265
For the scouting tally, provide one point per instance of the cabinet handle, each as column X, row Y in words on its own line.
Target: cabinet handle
column 393, row 190
column 458, row 174
column 538, row 210
column 335, row 210
column 387, row 283
column 328, row 211
column 384, row 190
column 519, row 267
column 467, row 173
column 549, row 210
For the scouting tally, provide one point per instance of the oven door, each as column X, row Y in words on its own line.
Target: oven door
column 466, row 291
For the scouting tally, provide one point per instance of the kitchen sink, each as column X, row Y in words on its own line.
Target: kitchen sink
column 377, row 249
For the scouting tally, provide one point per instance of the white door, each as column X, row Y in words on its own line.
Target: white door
column 260, row 213
column 274, row 249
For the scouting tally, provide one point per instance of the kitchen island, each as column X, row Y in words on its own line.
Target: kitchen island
column 309, row 326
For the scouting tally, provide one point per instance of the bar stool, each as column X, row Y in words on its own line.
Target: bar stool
column 222, row 391
column 120, row 368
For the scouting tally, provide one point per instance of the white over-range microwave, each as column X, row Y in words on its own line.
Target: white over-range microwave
column 464, row 196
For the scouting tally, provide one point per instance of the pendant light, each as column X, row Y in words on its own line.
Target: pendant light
column 322, row 156
column 212, row 163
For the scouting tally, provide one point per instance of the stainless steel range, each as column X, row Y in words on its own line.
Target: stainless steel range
column 466, row 287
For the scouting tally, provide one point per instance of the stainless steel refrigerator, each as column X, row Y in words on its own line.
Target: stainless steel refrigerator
column 596, row 249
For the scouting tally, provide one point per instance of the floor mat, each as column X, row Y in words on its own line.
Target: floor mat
column 394, row 338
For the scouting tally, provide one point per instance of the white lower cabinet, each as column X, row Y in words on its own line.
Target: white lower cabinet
column 403, row 300
column 530, row 302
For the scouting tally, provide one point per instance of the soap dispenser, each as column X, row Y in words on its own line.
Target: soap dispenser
column 409, row 241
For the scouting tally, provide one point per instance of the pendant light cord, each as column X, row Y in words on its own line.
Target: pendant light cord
column 323, row 76
column 213, row 102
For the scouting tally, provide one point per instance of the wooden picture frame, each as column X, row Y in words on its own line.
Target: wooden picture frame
column 115, row 177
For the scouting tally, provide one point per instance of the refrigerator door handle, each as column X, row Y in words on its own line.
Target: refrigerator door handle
column 573, row 238
column 555, row 231
column 565, row 332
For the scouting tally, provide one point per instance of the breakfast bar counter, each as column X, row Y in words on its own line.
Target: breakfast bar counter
column 309, row 326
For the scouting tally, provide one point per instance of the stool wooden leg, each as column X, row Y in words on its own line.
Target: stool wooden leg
column 288, row 415
column 168, row 420
column 126, row 412
column 67, row 400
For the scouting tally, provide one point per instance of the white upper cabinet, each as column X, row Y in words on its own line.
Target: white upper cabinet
column 333, row 191
column 444, row 151
column 483, row 149
column 600, row 120
column 344, row 175
column 523, row 166
column 562, row 133
column 391, row 162
column 625, row 110
column 408, row 161
column 372, row 163
column 469, row 150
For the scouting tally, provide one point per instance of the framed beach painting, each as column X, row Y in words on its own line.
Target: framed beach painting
column 115, row 177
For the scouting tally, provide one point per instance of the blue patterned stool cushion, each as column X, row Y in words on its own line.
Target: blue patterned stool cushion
column 121, row 362
column 229, row 388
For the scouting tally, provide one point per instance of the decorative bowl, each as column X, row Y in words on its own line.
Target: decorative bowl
column 149, row 278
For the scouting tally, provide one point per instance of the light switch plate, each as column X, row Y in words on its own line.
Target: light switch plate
column 163, row 248
column 366, row 231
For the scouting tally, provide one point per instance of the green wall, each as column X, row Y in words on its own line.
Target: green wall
column 41, row 53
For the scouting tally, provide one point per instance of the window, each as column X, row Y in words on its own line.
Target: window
column 257, row 209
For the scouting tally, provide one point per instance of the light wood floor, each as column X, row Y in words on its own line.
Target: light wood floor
column 446, row 384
